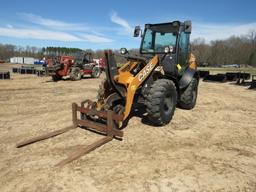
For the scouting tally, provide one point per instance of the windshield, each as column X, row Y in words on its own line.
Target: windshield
column 78, row 57
column 82, row 57
column 155, row 42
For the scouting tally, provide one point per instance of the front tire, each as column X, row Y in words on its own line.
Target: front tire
column 189, row 95
column 75, row 74
column 95, row 72
column 161, row 102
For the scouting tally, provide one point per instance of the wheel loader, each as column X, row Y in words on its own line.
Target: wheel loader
column 162, row 77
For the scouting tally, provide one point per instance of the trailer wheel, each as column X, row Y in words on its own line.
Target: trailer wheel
column 95, row 72
column 189, row 95
column 75, row 74
column 161, row 101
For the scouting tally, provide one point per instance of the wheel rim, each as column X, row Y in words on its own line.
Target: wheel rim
column 97, row 72
column 76, row 75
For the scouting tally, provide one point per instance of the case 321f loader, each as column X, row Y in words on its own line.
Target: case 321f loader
column 162, row 77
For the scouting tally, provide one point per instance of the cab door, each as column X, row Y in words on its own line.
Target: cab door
column 183, row 49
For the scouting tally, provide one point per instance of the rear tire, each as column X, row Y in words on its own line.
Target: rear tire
column 189, row 95
column 161, row 102
column 95, row 72
column 75, row 74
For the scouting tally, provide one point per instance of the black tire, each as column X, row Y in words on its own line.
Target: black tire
column 75, row 74
column 161, row 102
column 189, row 95
column 56, row 77
column 95, row 72
column 118, row 109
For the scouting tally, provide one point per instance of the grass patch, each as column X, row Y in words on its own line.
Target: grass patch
column 250, row 70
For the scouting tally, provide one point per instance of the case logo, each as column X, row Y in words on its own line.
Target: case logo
column 145, row 72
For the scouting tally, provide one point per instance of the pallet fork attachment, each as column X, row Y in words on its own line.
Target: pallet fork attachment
column 108, row 129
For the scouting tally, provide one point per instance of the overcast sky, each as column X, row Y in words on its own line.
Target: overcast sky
column 109, row 23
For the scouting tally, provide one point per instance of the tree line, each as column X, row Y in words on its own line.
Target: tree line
column 56, row 51
column 234, row 50
column 8, row 50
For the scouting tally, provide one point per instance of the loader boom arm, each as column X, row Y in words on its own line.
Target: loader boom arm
column 131, row 82
column 123, row 81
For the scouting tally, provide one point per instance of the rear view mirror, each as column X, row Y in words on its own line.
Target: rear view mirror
column 137, row 31
column 188, row 26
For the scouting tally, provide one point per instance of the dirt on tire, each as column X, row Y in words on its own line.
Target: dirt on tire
column 161, row 101
column 189, row 95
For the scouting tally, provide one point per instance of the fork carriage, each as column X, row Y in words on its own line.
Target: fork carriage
column 108, row 129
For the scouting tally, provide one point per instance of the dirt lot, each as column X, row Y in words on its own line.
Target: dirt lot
column 211, row 148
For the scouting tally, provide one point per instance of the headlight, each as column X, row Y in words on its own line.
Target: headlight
column 167, row 50
column 171, row 48
column 123, row 51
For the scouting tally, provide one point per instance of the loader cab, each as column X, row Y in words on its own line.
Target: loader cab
column 84, row 58
column 170, row 39
column 87, row 58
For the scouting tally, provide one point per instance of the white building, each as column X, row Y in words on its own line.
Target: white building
column 22, row 60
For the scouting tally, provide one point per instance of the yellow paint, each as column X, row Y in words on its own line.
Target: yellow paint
column 133, row 88
column 192, row 61
column 131, row 82
column 179, row 67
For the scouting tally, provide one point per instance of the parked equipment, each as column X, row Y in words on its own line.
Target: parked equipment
column 40, row 72
column 253, row 82
column 15, row 70
column 59, row 67
column 221, row 78
column 242, row 77
column 232, row 76
column 5, row 75
column 163, row 77
column 24, row 70
column 84, row 65
column 203, row 74
column 74, row 67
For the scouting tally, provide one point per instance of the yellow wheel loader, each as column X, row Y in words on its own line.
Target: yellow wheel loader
column 162, row 77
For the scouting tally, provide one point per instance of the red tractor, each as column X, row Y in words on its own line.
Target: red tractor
column 59, row 67
column 74, row 67
column 86, row 65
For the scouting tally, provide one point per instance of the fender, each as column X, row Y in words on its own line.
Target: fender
column 187, row 77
